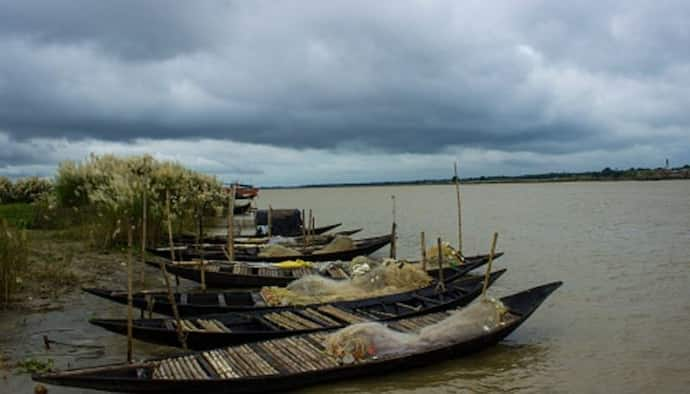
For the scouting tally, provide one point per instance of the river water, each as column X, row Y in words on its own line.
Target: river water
column 620, row 323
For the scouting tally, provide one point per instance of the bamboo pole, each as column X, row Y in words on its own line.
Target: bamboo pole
column 200, row 249
column 270, row 221
column 304, row 230
column 231, row 224
column 457, row 195
column 393, row 245
column 309, row 224
column 170, row 232
column 423, row 250
column 488, row 266
column 144, row 224
column 171, row 297
column 393, row 252
column 130, row 316
column 441, row 286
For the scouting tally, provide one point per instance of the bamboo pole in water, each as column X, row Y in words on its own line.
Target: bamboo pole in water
column 488, row 266
column 304, row 229
column 393, row 232
column 130, row 317
column 457, row 195
column 200, row 248
column 440, row 286
column 309, row 224
column 423, row 250
column 170, row 232
column 270, row 221
column 171, row 297
column 231, row 224
column 144, row 224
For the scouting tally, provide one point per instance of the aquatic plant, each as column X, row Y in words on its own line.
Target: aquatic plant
column 32, row 365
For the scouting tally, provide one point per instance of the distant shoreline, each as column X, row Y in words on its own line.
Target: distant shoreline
column 606, row 175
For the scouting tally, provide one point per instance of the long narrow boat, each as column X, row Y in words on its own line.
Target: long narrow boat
column 293, row 362
column 213, row 331
column 362, row 247
column 319, row 239
column 198, row 303
column 238, row 275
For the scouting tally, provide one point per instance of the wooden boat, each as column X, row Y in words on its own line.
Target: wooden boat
column 245, row 275
column 362, row 247
column 320, row 239
column 246, row 192
column 211, row 302
column 213, row 331
column 241, row 208
column 288, row 363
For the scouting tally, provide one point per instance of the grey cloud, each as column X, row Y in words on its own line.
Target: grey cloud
column 539, row 77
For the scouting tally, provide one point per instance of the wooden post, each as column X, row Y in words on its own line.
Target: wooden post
column 231, row 224
column 488, row 266
column 130, row 317
column 309, row 224
column 393, row 246
column 423, row 245
column 270, row 221
column 200, row 249
column 457, row 195
column 393, row 232
column 304, row 229
column 144, row 224
column 441, row 286
column 313, row 226
column 170, row 232
column 171, row 299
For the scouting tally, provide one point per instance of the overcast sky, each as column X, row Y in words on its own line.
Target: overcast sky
column 295, row 92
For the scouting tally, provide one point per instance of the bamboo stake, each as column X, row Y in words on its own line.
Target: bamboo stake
column 309, row 224
column 170, row 232
column 231, row 224
column 304, row 230
column 171, row 297
column 393, row 252
column 393, row 245
column 441, row 286
column 130, row 317
column 270, row 221
column 144, row 223
column 457, row 195
column 488, row 266
column 199, row 239
column 423, row 245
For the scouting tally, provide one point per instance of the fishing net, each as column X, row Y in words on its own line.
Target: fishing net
column 372, row 340
column 450, row 255
column 382, row 280
column 278, row 251
column 339, row 244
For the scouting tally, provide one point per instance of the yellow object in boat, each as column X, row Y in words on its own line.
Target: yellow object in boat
column 290, row 264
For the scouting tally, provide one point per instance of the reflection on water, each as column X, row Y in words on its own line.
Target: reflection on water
column 619, row 323
column 504, row 367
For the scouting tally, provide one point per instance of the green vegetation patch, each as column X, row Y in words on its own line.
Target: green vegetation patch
column 19, row 215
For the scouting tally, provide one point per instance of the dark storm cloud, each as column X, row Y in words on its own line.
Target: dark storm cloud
column 545, row 77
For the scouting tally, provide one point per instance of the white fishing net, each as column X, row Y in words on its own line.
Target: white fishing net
column 278, row 251
column 339, row 244
column 383, row 279
column 369, row 340
column 450, row 255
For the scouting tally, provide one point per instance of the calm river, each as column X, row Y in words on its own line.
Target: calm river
column 620, row 323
